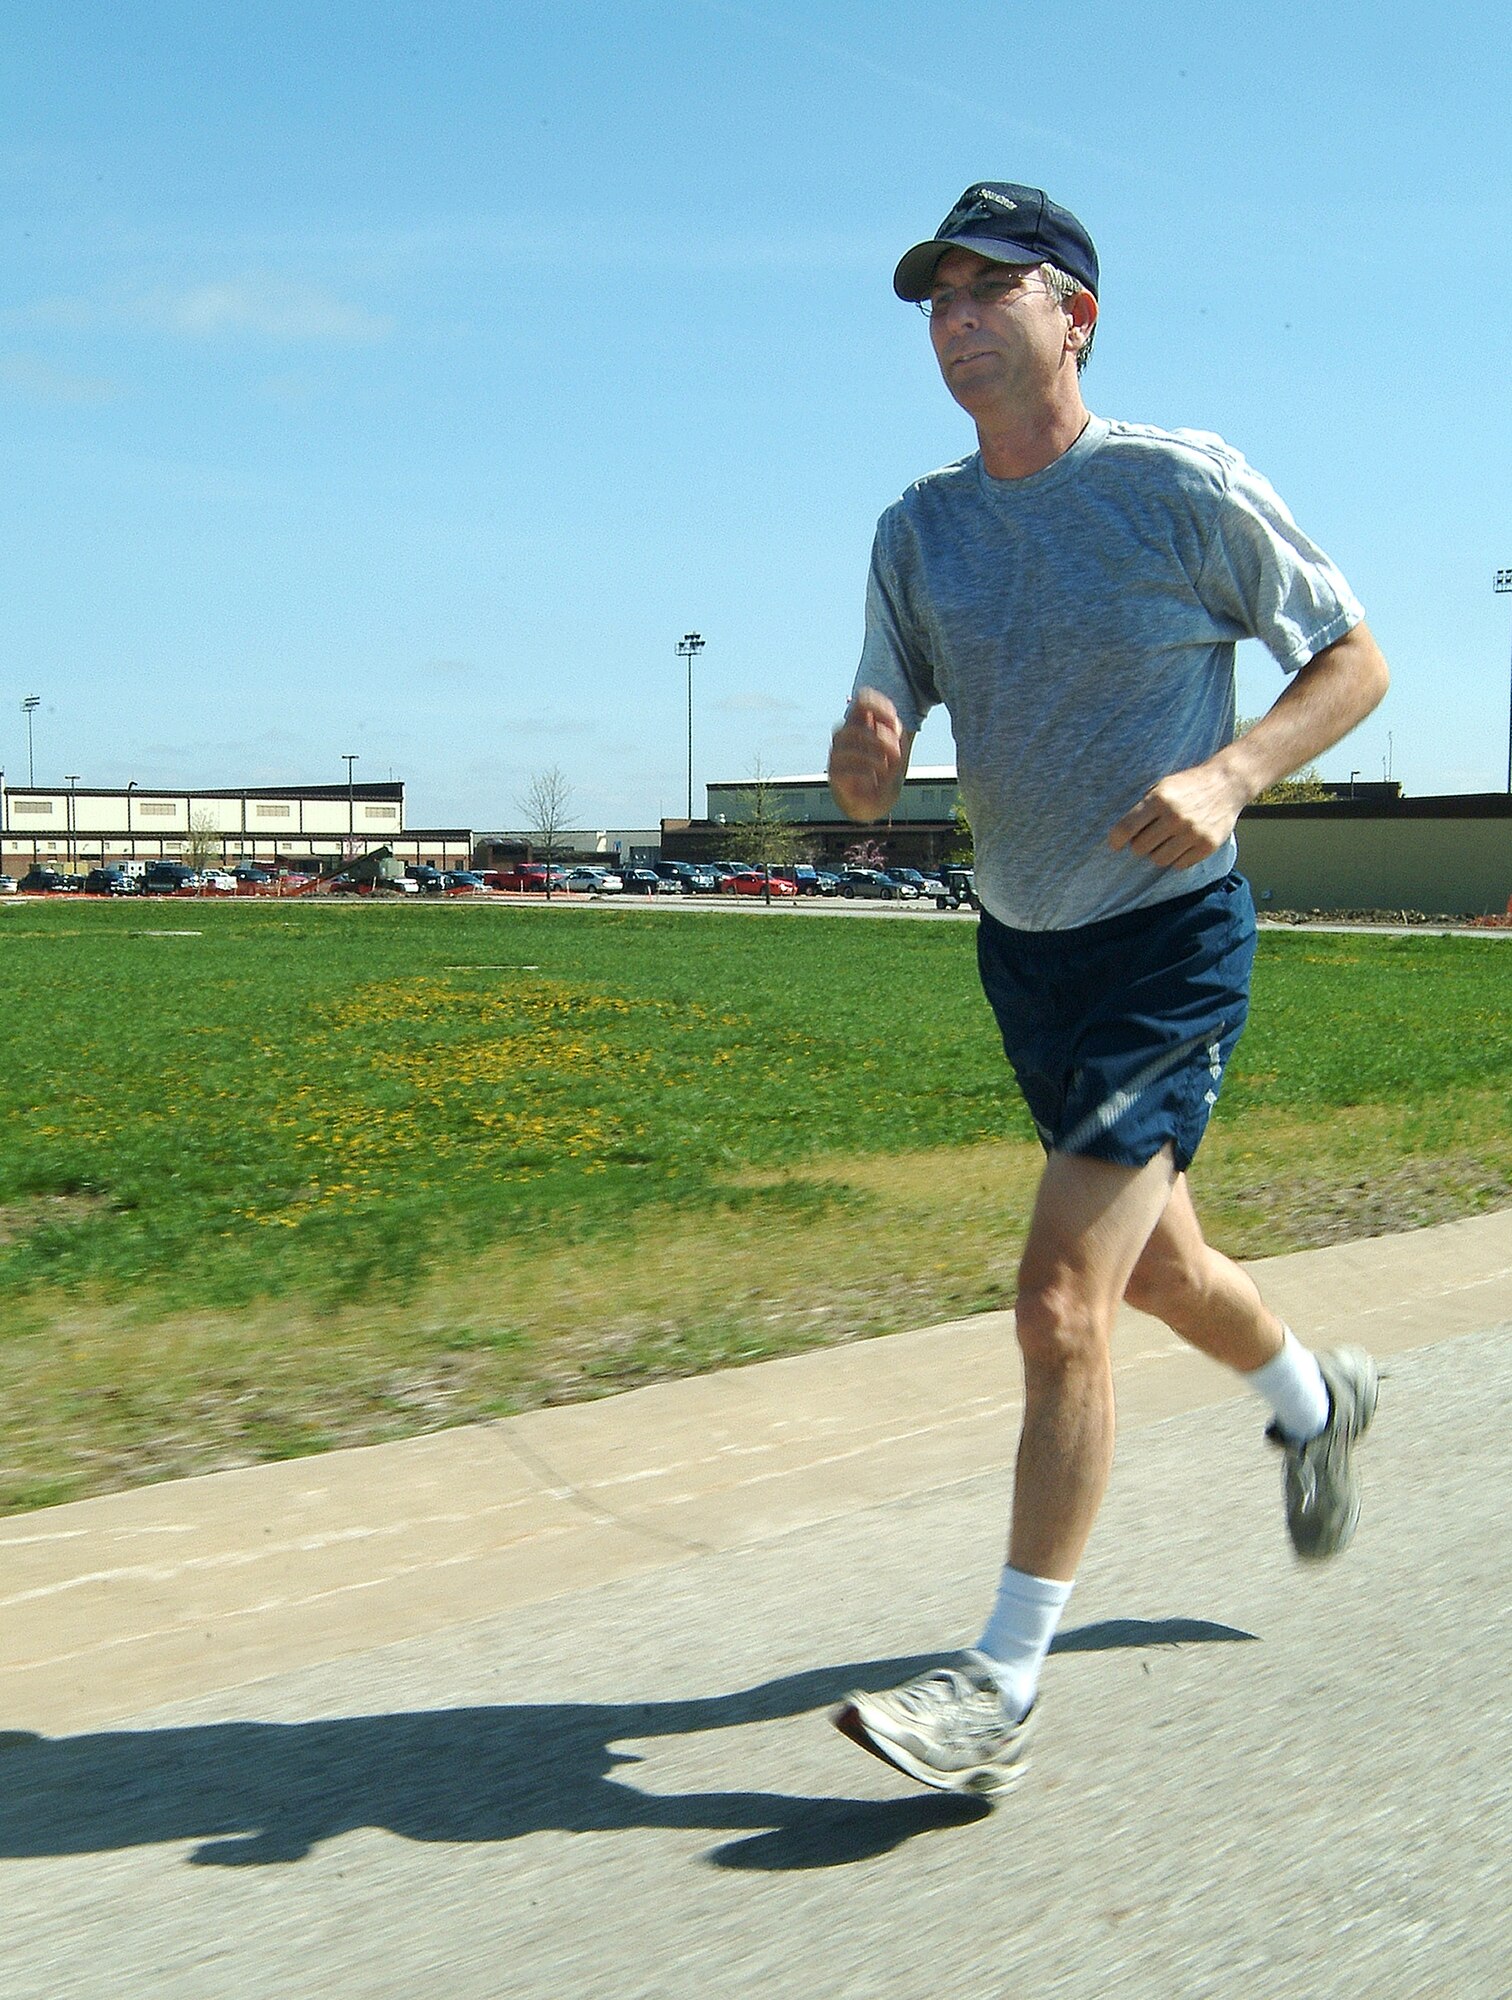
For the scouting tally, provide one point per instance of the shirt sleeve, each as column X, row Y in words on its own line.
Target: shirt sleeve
column 1262, row 572
column 892, row 659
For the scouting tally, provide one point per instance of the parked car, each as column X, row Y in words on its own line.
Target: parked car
column 219, row 882
column 521, row 876
column 675, row 874
column 169, row 878
column 40, row 881
column 803, row 876
column 751, row 882
column 108, row 882
column 913, row 878
column 829, row 883
column 7, row 885
column 646, row 882
column 703, row 879
column 464, row 882
column 958, row 890
column 869, row 882
column 430, row 880
column 583, row 881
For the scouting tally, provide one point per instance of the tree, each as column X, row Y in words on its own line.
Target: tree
column 962, row 850
column 865, row 854
column 760, row 831
column 547, row 807
column 203, row 847
column 1302, row 788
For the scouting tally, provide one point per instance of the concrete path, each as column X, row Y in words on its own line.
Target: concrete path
column 533, row 1709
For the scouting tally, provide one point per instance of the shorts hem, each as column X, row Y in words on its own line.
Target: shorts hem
column 1135, row 1157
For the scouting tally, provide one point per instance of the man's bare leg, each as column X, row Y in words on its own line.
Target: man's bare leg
column 1200, row 1294
column 1322, row 1404
column 1091, row 1223
column 967, row 1729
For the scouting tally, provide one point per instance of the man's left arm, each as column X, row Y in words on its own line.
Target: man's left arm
column 1189, row 815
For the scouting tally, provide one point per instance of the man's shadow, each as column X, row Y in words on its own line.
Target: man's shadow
column 253, row 1793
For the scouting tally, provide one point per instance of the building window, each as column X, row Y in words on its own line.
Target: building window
column 381, row 812
column 271, row 812
column 157, row 808
column 30, row 805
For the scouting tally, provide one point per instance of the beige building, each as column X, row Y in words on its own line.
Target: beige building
column 1365, row 847
column 73, row 828
column 1440, row 856
column 919, row 832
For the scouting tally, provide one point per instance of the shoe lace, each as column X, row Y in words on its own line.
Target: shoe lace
column 939, row 1694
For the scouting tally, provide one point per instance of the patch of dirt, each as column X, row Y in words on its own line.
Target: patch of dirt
column 48, row 1211
column 1389, row 919
column 1418, row 1193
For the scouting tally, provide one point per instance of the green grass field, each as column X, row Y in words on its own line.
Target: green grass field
column 320, row 1175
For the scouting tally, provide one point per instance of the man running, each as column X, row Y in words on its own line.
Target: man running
column 1073, row 592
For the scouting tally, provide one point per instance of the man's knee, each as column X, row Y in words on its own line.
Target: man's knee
column 1060, row 1328
column 1165, row 1283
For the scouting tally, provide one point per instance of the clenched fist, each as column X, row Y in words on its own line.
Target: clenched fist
column 868, row 757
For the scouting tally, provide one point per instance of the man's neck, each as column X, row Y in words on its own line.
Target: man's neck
column 1014, row 445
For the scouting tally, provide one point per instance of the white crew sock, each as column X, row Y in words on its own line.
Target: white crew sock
column 1018, row 1634
column 1293, row 1385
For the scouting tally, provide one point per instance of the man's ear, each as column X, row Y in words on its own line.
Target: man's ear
column 1081, row 311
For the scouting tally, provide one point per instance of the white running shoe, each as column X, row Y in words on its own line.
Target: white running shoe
column 1320, row 1483
column 948, row 1729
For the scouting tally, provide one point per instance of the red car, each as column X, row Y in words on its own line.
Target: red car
column 751, row 882
column 525, row 876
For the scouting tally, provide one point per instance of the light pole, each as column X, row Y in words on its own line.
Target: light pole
column 1501, row 586
column 689, row 646
column 71, row 779
column 349, row 758
column 29, row 706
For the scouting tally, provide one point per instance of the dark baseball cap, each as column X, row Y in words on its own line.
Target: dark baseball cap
column 1011, row 225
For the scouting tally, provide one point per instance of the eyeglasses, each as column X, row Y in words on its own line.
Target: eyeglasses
column 991, row 291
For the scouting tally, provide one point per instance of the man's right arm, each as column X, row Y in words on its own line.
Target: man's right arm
column 868, row 758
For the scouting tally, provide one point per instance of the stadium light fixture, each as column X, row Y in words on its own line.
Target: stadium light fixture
column 1502, row 586
column 689, row 646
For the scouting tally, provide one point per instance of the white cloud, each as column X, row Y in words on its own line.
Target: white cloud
column 29, row 375
column 448, row 670
column 262, row 304
column 753, row 702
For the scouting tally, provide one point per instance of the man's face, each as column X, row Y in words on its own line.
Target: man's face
column 999, row 354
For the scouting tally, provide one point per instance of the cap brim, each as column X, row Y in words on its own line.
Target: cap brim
column 916, row 267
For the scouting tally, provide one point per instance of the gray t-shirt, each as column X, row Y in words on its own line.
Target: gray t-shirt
column 1080, row 625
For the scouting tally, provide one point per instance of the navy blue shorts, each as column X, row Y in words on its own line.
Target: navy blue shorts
column 1119, row 1032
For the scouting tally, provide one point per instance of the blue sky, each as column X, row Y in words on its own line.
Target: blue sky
column 406, row 380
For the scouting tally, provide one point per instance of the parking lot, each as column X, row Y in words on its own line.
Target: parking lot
column 666, row 883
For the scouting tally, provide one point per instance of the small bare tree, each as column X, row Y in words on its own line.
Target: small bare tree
column 202, row 849
column 547, row 806
column 761, row 831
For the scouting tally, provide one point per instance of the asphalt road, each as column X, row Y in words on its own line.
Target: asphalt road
column 1251, row 1779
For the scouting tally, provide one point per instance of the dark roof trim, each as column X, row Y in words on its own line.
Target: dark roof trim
column 1454, row 805
column 386, row 789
